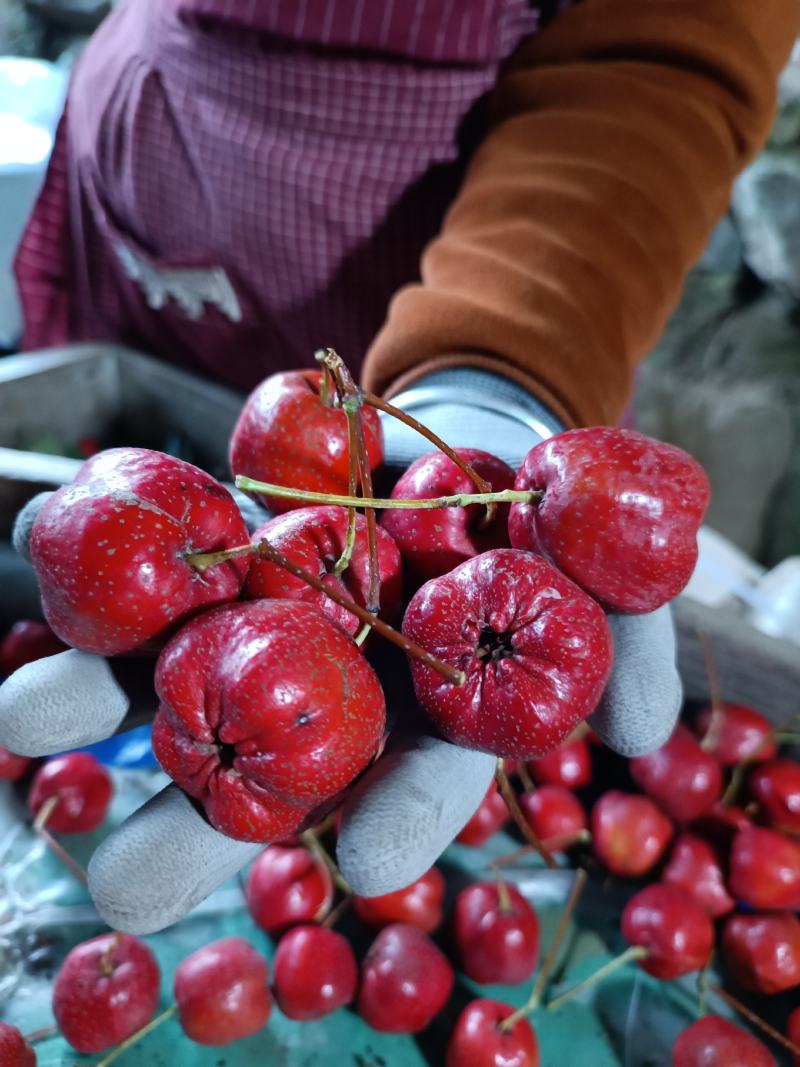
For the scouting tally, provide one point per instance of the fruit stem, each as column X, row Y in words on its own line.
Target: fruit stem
column 411, row 648
column 525, row 777
column 552, row 844
column 40, row 1035
column 389, row 409
column 711, row 739
column 514, row 810
column 39, row 828
column 741, row 768
column 635, row 952
column 578, row 885
column 362, row 634
column 320, row 853
column 134, row 1038
column 457, row 500
column 756, row 1020
column 343, row 562
column 336, row 913
column 106, row 963
column 504, row 905
column 44, row 813
column 201, row 561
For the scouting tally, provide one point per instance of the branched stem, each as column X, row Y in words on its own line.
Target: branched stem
column 516, row 813
column 635, row 952
column 456, row 500
column 40, row 829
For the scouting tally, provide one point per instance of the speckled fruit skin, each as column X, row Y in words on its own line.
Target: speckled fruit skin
column 433, row 542
column 14, row 1049
column 315, row 972
column 405, row 981
column 620, row 514
column 287, row 436
column 675, row 930
column 629, row 833
column 109, row 550
column 715, row 1042
column 553, row 812
column 267, row 711
column 775, row 786
column 765, row 869
column 478, row 1041
column 491, row 816
column 25, row 642
column 494, row 945
column 569, row 765
column 314, row 538
column 683, row 780
column 762, row 952
column 695, row 867
column 286, row 886
column 742, row 733
column 419, row 904
column 222, row 992
column 95, row 1010
column 83, row 787
column 536, row 651
column 12, row 766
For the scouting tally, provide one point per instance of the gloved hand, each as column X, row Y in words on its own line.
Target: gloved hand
column 405, row 810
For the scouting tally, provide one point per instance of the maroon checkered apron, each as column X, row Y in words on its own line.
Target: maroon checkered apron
column 238, row 182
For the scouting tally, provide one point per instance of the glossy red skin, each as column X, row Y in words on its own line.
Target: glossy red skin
column 84, row 790
column 715, row 1042
column 569, row 765
column 519, row 705
column 478, row 1041
column 315, row 972
column 275, row 687
column 12, row 766
column 744, row 734
column 495, row 946
column 433, row 542
column 674, row 929
column 287, row 886
column 553, row 812
column 491, row 816
column 694, row 867
column 109, row 550
column 14, row 1049
column 95, row 1011
column 405, row 981
column 620, row 514
column 683, row 780
column 629, row 833
column 222, row 992
column 765, row 869
column 793, row 1031
column 762, row 952
column 25, row 642
column 314, row 538
column 286, row 435
column 775, row 786
column 419, row 904
column 721, row 822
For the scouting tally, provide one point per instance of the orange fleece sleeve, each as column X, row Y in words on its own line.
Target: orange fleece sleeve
column 614, row 139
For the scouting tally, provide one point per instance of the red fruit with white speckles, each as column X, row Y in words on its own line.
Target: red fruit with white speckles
column 553, row 812
column 535, row 649
column 676, row 932
column 765, row 869
column 762, row 952
column 419, row 904
column 478, row 1041
column 268, row 710
column 569, row 765
column 83, row 787
column 496, row 935
column 715, row 1042
column 315, row 972
column 491, row 816
column 25, row 642
column 286, row 435
column 620, row 514
column 106, row 990
column 680, row 777
column 694, row 866
column 629, row 833
column 740, row 733
column 287, row 886
column 314, row 539
column 775, row 787
column 12, row 766
column 222, row 992
column 433, row 542
column 110, row 550
column 405, row 981
column 14, row 1049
